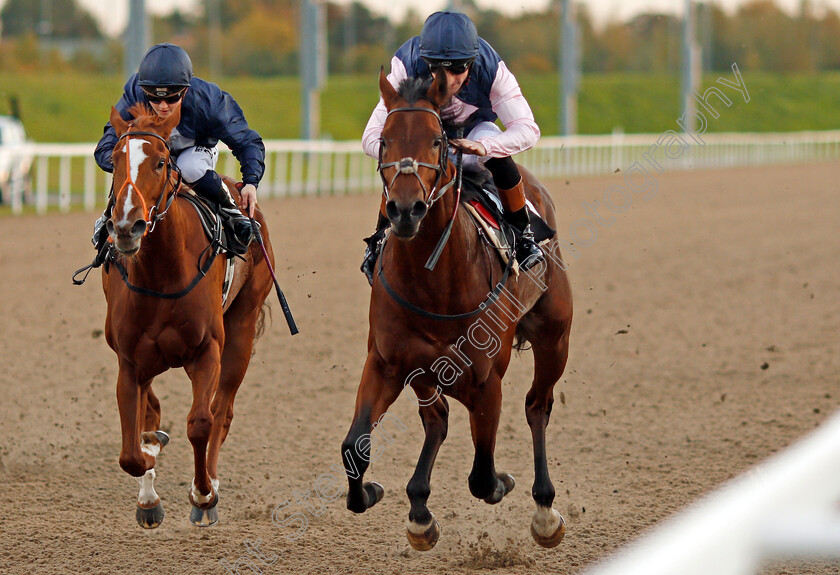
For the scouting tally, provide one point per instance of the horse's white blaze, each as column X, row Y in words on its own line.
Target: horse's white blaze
column 199, row 498
column 147, row 496
column 136, row 156
column 546, row 521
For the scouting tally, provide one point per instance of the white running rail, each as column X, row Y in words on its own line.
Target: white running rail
column 64, row 176
column 785, row 508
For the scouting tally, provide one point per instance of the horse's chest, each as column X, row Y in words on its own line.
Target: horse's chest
column 165, row 343
column 456, row 363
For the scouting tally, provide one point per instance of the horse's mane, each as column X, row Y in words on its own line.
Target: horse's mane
column 413, row 89
column 144, row 116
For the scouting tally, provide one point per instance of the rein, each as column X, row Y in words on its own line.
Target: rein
column 491, row 298
column 158, row 216
column 409, row 166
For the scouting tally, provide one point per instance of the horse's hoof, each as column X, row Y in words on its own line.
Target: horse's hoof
column 205, row 515
column 548, row 527
column 504, row 485
column 375, row 492
column 423, row 537
column 150, row 517
column 163, row 437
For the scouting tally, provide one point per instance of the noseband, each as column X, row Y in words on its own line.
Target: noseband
column 155, row 213
column 409, row 165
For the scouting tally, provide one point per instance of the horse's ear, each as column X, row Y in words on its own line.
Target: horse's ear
column 119, row 125
column 437, row 91
column 170, row 122
column 389, row 95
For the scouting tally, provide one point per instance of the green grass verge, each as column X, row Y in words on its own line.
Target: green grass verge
column 74, row 107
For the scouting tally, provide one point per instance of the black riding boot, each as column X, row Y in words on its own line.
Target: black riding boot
column 528, row 252
column 374, row 246
column 210, row 186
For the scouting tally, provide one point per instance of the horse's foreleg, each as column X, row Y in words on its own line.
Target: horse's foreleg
column 423, row 529
column 485, row 409
column 132, row 397
column 547, row 525
column 150, row 511
column 139, row 450
column 374, row 397
column 204, row 374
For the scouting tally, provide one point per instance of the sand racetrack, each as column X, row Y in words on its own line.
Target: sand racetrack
column 718, row 274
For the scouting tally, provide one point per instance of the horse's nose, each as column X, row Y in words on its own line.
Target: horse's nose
column 406, row 213
column 126, row 230
column 126, row 235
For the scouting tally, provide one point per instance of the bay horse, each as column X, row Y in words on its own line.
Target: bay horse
column 449, row 331
column 165, row 310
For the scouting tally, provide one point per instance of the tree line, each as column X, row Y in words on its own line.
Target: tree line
column 260, row 38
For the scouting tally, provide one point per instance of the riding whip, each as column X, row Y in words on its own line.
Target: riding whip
column 283, row 303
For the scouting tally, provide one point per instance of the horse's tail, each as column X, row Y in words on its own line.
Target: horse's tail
column 261, row 321
column 520, row 343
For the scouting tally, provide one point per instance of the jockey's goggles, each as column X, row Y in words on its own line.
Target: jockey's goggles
column 157, row 96
column 452, row 66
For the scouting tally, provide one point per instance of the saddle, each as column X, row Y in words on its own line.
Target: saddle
column 480, row 197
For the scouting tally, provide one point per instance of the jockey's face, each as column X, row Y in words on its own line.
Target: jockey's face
column 163, row 108
column 454, row 82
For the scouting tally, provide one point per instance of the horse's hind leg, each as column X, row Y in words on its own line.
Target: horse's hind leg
column 239, row 342
column 550, row 354
column 423, row 529
column 204, row 374
column 485, row 408
column 374, row 397
column 150, row 511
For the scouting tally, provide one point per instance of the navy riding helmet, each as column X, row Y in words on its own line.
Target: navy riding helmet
column 448, row 36
column 165, row 68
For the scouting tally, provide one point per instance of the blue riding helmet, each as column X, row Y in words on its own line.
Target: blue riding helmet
column 166, row 68
column 448, row 36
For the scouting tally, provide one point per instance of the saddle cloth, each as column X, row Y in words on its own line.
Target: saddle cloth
column 216, row 233
column 480, row 197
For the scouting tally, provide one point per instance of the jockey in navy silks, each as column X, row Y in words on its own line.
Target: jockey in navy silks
column 165, row 82
column 482, row 89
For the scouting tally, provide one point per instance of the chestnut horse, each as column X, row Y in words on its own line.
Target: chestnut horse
column 450, row 331
column 165, row 310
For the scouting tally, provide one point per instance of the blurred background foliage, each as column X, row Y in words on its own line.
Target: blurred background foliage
column 66, row 73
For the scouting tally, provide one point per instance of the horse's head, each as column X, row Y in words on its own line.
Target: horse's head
column 413, row 152
column 142, row 175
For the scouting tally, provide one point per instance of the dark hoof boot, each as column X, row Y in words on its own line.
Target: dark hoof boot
column 423, row 537
column 528, row 253
column 150, row 517
column 205, row 515
column 163, row 437
column 504, row 485
column 375, row 492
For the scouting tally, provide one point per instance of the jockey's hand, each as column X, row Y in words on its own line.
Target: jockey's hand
column 248, row 199
column 468, row 147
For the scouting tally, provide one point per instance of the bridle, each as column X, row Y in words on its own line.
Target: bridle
column 155, row 214
column 409, row 165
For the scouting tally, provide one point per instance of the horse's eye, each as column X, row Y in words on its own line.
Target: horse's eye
column 161, row 164
column 438, row 142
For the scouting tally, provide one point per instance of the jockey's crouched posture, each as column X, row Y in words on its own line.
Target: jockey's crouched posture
column 165, row 82
column 481, row 89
